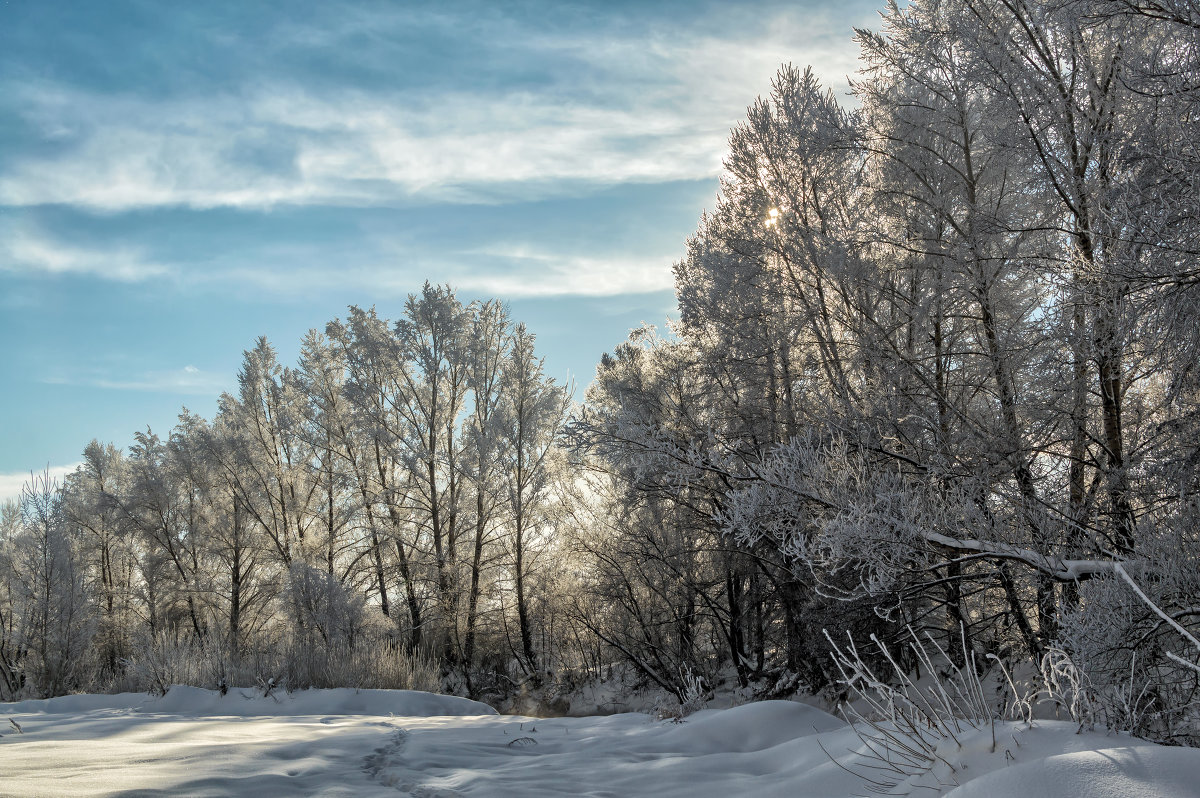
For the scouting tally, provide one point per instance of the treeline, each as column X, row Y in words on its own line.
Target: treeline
column 392, row 489
column 935, row 371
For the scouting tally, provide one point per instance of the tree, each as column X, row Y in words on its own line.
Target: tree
column 50, row 604
column 534, row 408
column 375, row 389
column 432, row 339
column 91, row 505
column 268, row 459
column 164, row 506
column 13, row 646
column 489, row 341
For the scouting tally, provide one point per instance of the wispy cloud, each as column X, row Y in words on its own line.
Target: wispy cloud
column 644, row 108
column 534, row 273
column 357, row 150
column 397, row 268
column 12, row 483
column 188, row 381
column 24, row 248
column 384, row 264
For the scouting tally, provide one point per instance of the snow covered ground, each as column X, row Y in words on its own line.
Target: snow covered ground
column 386, row 743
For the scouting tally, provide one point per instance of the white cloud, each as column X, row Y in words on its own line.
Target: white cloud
column 394, row 268
column 11, row 483
column 543, row 274
column 387, row 264
column 356, row 150
column 649, row 108
column 25, row 249
column 188, row 380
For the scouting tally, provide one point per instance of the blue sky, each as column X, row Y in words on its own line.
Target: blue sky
column 177, row 179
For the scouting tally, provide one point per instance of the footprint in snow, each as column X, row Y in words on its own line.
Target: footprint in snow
column 386, row 756
column 379, row 764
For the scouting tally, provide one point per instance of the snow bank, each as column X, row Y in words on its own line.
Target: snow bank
column 1144, row 771
column 750, row 727
column 68, row 704
column 340, row 701
column 249, row 702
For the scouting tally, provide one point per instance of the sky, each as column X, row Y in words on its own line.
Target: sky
column 178, row 179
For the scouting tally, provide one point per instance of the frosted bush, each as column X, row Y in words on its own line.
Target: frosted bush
column 1132, row 642
column 695, row 695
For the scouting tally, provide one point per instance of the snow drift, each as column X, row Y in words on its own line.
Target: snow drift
column 383, row 743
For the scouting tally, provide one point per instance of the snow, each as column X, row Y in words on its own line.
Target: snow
column 1052, row 759
column 1141, row 770
column 386, row 743
column 340, row 701
column 249, row 702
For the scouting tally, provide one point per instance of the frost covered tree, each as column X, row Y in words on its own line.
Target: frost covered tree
column 13, row 648
column 533, row 408
column 51, row 622
column 376, row 392
column 930, row 369
column 164, row 508
column 268, row 456
column 432, row 339
column 377, row 500
column 490, row 338
column 106, row 545
column 319, row 379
